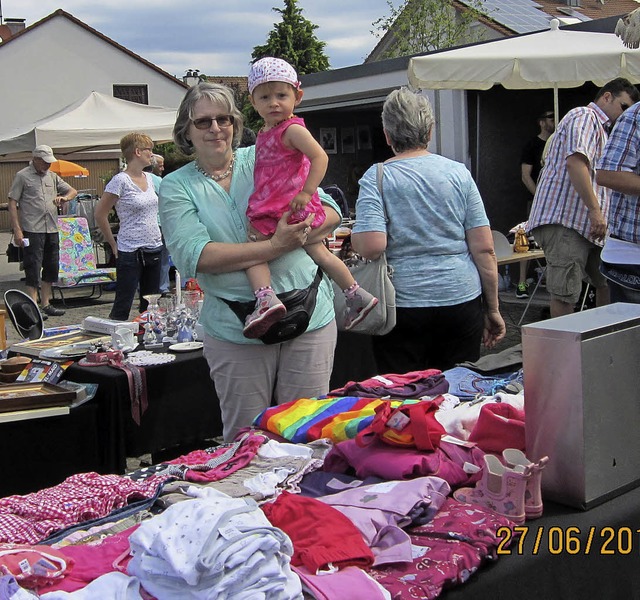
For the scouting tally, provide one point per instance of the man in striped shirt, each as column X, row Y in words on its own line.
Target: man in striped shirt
column 619, row 169
column 568, row 214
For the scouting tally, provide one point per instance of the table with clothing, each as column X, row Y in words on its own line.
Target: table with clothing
column 263, row 485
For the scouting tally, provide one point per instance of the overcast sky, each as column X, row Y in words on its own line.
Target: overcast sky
column 214, row 36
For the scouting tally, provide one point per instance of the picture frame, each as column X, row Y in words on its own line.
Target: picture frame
column 364, row 137
column 348, row 139
column 329, row 140
column 25, row 396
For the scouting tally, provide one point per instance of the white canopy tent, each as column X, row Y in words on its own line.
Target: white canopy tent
column 95, row 122
column 547, row 59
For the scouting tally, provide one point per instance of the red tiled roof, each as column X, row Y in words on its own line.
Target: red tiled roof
column 240, row 82
column 593, row 9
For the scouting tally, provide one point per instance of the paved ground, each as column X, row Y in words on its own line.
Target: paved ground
column 76, row 310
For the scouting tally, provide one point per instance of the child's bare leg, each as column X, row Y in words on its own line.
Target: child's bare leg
column 359, row 302
column 259, row 276
column 269, row 309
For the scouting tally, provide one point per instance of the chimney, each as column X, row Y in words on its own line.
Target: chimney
column 15, row 25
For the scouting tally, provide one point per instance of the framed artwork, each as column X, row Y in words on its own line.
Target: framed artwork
column 348, row 140
column 364, row 137
column 329, row 140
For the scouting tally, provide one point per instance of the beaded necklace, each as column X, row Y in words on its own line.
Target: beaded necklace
column 222, row 175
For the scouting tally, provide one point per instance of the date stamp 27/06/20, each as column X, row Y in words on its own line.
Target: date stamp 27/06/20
column 603, row 541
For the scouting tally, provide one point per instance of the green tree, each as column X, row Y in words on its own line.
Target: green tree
column 423, row 25
column 294, row 40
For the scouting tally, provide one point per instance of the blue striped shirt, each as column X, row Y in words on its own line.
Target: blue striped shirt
column 622, row 153
column 581, row 131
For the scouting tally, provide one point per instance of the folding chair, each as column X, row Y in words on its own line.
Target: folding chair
column 78, row 259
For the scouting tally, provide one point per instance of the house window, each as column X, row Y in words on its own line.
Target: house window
column 132, row 93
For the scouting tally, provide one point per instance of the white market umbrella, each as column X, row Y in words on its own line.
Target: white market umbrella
column 548, row 59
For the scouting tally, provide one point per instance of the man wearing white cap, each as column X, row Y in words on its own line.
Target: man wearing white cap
column 34, row 198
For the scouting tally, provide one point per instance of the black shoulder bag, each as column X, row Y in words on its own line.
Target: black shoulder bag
column 300, row 305
column 14, row 253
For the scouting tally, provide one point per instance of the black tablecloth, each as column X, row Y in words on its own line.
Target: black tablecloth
column 183, row 408
column 353, row 359
column 99, row 435
column 39, row 453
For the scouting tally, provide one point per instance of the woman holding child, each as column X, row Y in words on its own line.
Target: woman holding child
column 203, row 214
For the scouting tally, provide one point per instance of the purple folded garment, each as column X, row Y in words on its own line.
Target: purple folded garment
column 433, row 385
column 389, row 462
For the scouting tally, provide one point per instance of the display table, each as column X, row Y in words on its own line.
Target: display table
column 183, row 408
column 41, row 452
column 99, row 435
column 566, row 567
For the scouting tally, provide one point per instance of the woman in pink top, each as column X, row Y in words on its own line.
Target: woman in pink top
column 290, row 165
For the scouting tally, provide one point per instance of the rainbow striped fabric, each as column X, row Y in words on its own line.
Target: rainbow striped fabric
column 308, row 419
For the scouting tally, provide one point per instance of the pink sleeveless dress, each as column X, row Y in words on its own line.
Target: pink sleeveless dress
column 279, row 174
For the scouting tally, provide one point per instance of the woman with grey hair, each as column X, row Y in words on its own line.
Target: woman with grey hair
column 426, row 213
column 202, row 211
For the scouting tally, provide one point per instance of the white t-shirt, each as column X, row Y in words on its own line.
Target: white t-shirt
column 138, row 213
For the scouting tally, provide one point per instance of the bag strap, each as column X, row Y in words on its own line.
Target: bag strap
column 379, row 176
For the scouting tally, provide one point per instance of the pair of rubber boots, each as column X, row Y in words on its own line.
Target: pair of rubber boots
column 512, row 489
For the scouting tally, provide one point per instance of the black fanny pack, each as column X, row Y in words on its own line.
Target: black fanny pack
column 299, row 304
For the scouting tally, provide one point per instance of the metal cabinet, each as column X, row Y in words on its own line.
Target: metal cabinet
column 582, row 402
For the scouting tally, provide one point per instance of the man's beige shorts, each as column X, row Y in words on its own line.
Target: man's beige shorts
column 571, row 259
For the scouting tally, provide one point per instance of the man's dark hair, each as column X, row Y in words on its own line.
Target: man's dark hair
column 545, row 115
column 618, row 86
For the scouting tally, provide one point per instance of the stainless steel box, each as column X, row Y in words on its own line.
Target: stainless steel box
column 582, row 403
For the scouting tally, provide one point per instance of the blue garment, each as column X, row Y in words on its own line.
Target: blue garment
column 430, row 204
column 195, row 210
column 467, row 384
column 622, row 153
column 165, row 266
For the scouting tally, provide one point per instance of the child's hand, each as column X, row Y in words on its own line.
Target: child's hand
column 300, row 201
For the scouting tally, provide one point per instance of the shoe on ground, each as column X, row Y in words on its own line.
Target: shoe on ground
column 269, row 310
column 522, row 291
column 358, row 307
column 51, row 311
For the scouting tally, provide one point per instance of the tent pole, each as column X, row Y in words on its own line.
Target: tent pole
column 477, row 173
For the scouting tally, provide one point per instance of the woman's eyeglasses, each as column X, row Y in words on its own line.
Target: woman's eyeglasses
column 206, row 122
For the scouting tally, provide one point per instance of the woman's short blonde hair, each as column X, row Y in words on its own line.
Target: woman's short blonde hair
column 218, row 94
column 132, row 141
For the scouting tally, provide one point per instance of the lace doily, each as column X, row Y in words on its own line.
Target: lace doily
column 144, row 358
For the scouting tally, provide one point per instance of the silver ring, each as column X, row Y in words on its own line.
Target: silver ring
column 306, row 230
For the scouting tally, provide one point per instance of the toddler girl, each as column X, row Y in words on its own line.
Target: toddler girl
column 290, row 165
